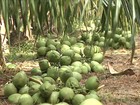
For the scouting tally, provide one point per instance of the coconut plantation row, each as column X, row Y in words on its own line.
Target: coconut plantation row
column 63, row 62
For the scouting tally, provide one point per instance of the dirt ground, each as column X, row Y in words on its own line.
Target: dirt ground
column 123, row 89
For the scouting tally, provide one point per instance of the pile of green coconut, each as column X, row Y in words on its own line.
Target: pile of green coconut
column 58, row 80
column 119, row 39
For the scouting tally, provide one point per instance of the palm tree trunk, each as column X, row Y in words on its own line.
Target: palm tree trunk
column 2, row 32
column 2, row 58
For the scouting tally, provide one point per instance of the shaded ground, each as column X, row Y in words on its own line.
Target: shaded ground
column 117, row 89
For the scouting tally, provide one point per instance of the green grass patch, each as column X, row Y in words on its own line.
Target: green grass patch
column 23, row 51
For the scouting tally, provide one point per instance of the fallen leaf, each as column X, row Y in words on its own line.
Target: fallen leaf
column 125, row 72
column 111, row 69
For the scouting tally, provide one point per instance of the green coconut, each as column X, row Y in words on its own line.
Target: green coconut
column 92, row 83
column 41, row 43
column 54, row 98
column 116, row 37
column 65, row 60
column 53, row 72
column 53, row 56
column 84, row 69
column 87, row 65
column 20, row 79
column 78, row 99
column 77, row 57
column 128, row 37
column 128, row 45
column 44, row 65
column 72, row 40
column 9, row 89
column 72, row 82
column 49, row 79
column 119, row 30
column 63, row 68
column 80, row 44
column 24, row 90
column 95, row 96
column 41, row 51
column 34, row 89
column 77, row 63
column 98, row 68
column 110, row 42
column 51, row 47
column 77, row 75
column 30, row 83
column 77, row 69
column 76, row 49
column 44, row 75
column 101, row 44
column 46, row 89
column 66, row 94
column 97, row 43
column 37, row 98
column 64, row 47
column 98, row 57
column 92, row 92
column 51, row 42
column 93, row 64
column 36, row 71
column 109, row 33
column 66, row 42
column 102, row 38
column 57, row 44
column 25, row 99
column 14, row 98
column 122, row 40
column 69, row 53
column 65, row 75
column 87, row 51
column 91, row 101
column 116, row 45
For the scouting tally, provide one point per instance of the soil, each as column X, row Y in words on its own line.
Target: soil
column 123, row 89
column 119, row 89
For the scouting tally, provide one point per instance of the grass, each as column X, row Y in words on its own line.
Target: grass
column 23, row 51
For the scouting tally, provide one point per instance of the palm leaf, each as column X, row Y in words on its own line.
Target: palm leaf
column 5, row 9
column 116, row 16
column 33, row 8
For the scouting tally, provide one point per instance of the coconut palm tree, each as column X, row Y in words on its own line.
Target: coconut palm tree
column 122, row 13
column 58, row 14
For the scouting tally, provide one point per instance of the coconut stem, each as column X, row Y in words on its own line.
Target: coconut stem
column 35, row 80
